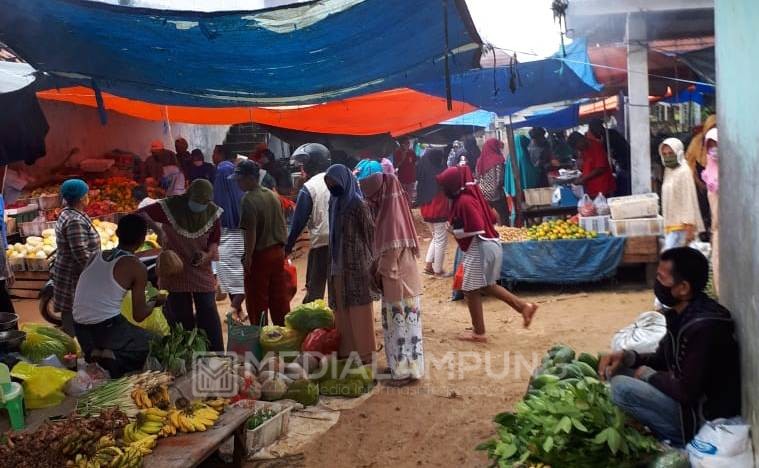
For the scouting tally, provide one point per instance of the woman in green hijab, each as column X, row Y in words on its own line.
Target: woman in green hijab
column 190, row 226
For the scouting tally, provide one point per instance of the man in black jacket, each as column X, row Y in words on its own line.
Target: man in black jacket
column 694, row 375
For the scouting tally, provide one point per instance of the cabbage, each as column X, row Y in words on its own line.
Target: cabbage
column 37, row 347
column 307, row 317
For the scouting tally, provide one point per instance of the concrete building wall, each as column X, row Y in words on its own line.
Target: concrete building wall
column 737, row 96
column 78, row 128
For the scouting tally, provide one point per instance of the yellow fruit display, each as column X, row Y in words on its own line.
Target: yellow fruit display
column 558, row 230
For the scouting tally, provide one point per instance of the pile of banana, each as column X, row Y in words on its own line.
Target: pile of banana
column 148, row 424
column 109, row 455
column 157, row 397
column 196, row 417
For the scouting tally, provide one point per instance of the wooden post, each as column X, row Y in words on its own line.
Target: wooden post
column 517, row 176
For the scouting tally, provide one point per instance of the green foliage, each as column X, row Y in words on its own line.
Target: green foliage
column 570, row 423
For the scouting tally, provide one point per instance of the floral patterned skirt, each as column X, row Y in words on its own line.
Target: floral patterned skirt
column 402, row 326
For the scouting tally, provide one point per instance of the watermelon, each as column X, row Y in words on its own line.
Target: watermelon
column 543, row 380
column 586, row 369
column 564, row 355
column 307, row 317
column 588, row 359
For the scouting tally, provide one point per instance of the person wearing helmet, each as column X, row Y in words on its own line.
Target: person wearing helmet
column 312, row 211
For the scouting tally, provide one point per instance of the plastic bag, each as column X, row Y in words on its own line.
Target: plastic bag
column 721, row 443
column 322, row 340
column 43, row 385
column 291, row 278
column 585, row 207
column 307, row 317
column 643, row 335
column 458, row 278
column 243, row 339
column 602, row 206
column 275, row 338
column 155, row 323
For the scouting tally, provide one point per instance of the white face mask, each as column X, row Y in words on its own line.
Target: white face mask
column 713, row 153
column 197, row 163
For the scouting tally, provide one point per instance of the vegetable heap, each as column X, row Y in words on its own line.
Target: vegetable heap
column 560, row 229
column 174, row 351
column 567, row 419
column 259, row 417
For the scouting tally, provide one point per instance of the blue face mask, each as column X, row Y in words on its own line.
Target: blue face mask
column 196, row 207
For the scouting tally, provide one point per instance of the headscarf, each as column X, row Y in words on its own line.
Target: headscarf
column 472, row 152
column 454, row 156
column 74, row 190
column 387, row 201
column 367, row 167
column 387, row 166
column 491, row 156
column 338, row 207
column 430, row 165
column 469, row 211
column 677, row 147
column 678, row 192
column 227, row 195
column 710, row 176
column 697, row 149
column 185, row 221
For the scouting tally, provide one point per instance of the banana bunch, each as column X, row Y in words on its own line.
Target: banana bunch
column 217, row 403
column 141, row 398
column 196, row 418
column 144, row 445
column 115, row 457
column 79, row 442
column 149, row 423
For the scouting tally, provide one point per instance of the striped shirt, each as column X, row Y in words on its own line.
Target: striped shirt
column 77, row 240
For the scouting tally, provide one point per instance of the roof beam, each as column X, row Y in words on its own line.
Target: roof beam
column 615, row 7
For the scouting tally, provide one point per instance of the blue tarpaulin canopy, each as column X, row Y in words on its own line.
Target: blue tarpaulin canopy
column 567, row 117
column 554, row 79
column 292, row 55
column 478, row 118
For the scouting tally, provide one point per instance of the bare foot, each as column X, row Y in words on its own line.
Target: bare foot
column 528, row 313
column 238, row 316
column 473, row 337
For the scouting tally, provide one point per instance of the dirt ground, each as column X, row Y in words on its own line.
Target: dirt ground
column 440, row 420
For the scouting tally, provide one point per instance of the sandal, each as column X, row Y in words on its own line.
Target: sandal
column 397, row 383
column 429, row 271
column 472, row 337
column 528, row 313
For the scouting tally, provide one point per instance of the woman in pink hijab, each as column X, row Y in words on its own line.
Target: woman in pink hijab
column 710, row 176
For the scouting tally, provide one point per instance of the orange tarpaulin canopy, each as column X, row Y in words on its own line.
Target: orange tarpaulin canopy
column 397, row 112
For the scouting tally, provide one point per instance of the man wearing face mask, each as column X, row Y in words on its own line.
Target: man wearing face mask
column 265, row 234
column 694, row 375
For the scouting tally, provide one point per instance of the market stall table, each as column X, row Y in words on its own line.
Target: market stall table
column 560, row 261
column 189, row 450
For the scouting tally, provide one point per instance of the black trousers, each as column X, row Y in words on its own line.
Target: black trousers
column 317, row 272
column 502, row 209
column 6, row 305
column 128, row 343
column 206, row 316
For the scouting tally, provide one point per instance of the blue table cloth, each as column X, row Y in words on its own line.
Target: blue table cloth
column 560, row 261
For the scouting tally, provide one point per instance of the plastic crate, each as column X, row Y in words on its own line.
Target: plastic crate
column 24, row 214
column 645, row 205
column 37, row 264
column 538, row 196
column 599, row 224
column 271, row 430
column 637, row 227
column 35, row 228
column 17, row 264
column 49, row 202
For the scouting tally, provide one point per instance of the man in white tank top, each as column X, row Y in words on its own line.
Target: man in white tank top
column 104, row 334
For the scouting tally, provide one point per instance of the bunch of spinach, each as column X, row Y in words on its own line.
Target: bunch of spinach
column 568, row 426
column 174, row 351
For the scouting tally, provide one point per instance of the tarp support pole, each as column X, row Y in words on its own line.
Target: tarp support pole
column 448, row 92
column 101, row 105
column 519, row 196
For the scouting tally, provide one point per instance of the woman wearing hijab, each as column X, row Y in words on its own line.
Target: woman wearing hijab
column 397, row 276
column 351, row 241
column 472, row 225
column 710, row 176
column 198, row 168
column 228, row 196
column 456, row 152
column 682, row 218
column 190, row 226
column 76, row 241
column 434, row 207
column 490, row 178
column 367, row 167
